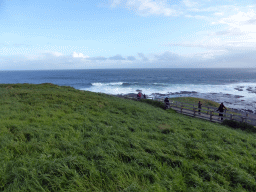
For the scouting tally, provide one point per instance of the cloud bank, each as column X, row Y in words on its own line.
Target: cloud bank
column 209, row 59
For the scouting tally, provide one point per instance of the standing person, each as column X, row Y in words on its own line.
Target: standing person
column 199, row 107
column 221, row 109
column 138, row 96
column 167, row 103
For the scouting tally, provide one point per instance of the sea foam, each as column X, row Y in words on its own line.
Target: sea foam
column 163, row 88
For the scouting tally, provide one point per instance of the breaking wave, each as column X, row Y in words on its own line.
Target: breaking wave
column 115, row 88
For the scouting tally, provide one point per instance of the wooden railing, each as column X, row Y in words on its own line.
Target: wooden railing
column 210, row 113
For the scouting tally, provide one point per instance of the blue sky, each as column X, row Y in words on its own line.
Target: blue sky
column 65, row 34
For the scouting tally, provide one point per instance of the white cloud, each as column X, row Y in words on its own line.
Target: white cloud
column 237, row 31
column 167, row 56
column 240, row 30
column 57, row 54
column 143, row 57
column 79, row 55
column 115, row 3
column 190, row 3
column 241, row 18
column 131, row 58
column 219, row 13
column 147, row 7
column 116, row 57
column 99, row 58
column 198, row 17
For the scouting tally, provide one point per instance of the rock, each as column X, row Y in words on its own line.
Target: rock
column 238, row 89
column 238, row 96
column 185, row 92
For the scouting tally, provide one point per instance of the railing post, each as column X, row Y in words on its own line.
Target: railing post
column 194, row 109
column 207, row 110
column 211, row 115
column 231, row 116
column 242, row 119
column 181, row 108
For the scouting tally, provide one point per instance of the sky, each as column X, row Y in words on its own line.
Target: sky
column 104, row 34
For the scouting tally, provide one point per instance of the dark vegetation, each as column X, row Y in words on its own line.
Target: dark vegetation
column 154, row 103
column 60, row 139
column 240, row 125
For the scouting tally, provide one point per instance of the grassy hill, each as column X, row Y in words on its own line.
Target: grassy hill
column 60, row 139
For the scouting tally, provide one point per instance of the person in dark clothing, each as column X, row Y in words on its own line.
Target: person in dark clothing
column 144, row 96
column 199, row 107
column 221, row 109
column 167, row 103
column 138, row 96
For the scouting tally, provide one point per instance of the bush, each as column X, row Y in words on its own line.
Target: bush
column 239, row 125
column 154, row 103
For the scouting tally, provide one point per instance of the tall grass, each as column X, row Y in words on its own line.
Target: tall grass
column 60, row 139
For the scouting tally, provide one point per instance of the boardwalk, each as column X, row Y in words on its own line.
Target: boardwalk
column 190, row 113
column 210, row 113
column 207, row 112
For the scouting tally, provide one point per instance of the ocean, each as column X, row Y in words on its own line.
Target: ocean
column 217, row 83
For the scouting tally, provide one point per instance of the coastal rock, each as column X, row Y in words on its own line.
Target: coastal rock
column 249, row 89
column 238, row 89
column 185, row 92
column 238, row 96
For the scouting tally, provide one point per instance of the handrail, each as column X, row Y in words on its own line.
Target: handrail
column 211, row 111
column 208, row 107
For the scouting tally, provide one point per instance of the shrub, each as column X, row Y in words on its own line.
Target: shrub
column 239, row 125
column 154, row 103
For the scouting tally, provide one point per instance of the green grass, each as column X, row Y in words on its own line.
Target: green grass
column 60, row 139
column 194, row 101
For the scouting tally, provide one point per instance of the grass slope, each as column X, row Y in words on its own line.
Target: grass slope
column 60, row 139
column 194, row 101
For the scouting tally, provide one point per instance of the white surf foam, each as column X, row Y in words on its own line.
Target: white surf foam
column 117, row 88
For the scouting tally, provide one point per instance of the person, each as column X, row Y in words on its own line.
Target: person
column 199, row 107
column 167, row 103
column 139, row 96
column 221, row 109
column 144, row 96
